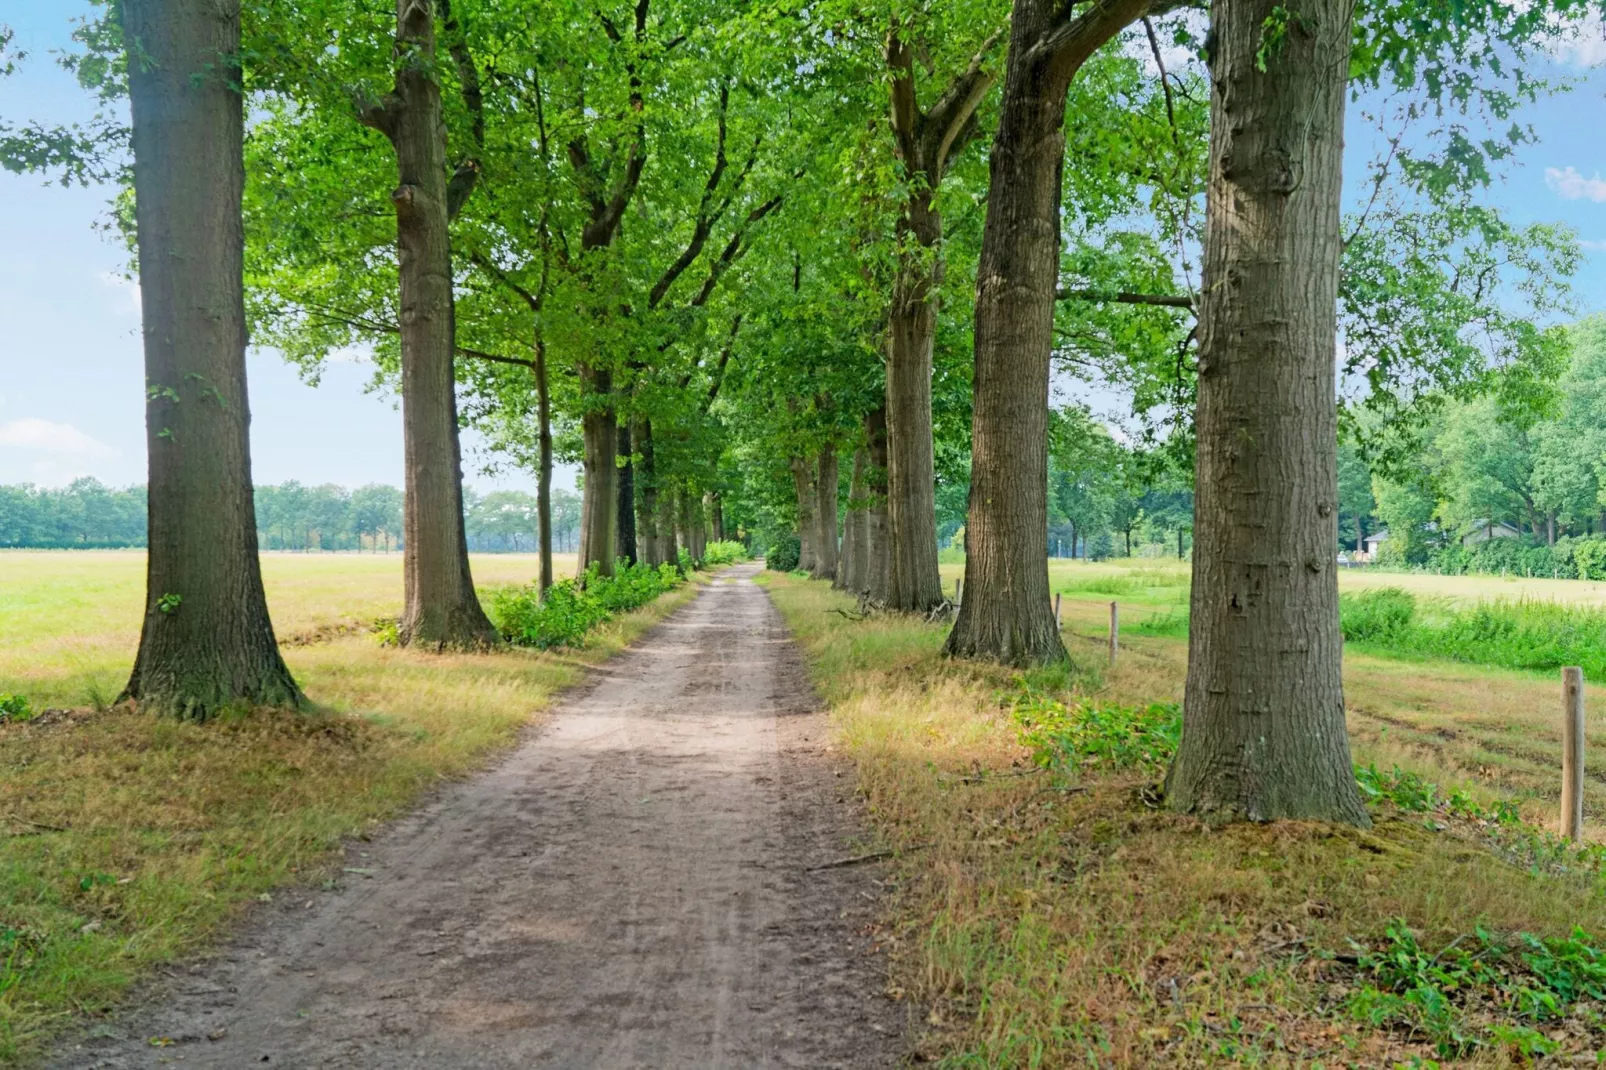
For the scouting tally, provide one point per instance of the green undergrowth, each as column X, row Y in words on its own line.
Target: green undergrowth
column 1524, row 634
column 1513, row 634
column 571, row 609
column 1046, row 910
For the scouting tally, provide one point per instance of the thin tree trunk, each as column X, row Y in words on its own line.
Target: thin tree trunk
column 850, row 568
column 441, row 609
column 716, row 507
column 667, row 520
column 649, row 545
column 878, row 559
column 599, row 430
column 543, row 484
column 1263, row 733
column 207, row 641
column 698, row 528
column 825, row 516
column 627, row 497
column 803, row 486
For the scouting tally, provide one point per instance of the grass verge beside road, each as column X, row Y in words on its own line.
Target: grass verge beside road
column 1053, row 921
column 127, row 842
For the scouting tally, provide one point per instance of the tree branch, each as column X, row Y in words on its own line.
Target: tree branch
column 705, row 216
column 1125, row 298
column 947, row 120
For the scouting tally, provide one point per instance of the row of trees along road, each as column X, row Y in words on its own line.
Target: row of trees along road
column 733, row 256
column 290, row 516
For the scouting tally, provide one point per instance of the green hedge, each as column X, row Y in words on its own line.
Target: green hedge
column 1582, row 558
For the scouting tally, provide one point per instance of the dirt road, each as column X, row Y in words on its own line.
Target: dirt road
column 629, row 889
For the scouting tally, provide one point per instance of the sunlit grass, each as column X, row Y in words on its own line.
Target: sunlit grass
column 126, row 841
column 1052, row 928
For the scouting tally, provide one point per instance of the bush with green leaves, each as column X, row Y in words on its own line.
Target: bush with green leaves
column 783, row 553
column 725, row 552
column 574, row 607
column 14, row 707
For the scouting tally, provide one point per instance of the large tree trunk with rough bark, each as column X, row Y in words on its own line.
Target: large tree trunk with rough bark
column 803, row 486
column 878, row 556
column 1263, row 724
column 626, row 519
column 825, row 516
column 599, row 430
column 441, row 609
column 206, row 642
column 1006, row 614
column 914, row 584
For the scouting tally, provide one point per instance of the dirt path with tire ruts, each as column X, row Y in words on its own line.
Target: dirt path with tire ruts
column 631, row 888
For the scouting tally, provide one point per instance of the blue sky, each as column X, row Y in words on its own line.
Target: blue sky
column 70, row 362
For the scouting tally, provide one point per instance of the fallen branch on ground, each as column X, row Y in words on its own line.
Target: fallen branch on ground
column 873, row 856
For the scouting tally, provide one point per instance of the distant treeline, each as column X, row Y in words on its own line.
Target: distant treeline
column 87, row 514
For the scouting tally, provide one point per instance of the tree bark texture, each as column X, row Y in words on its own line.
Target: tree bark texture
column 825, row 516
column 207, row 641
column 1263, row 712
column 648, row 545
column 803, row 485
column 627, row 496
column 599, row 429
column 851, row 565
column 1006, row 614
column 543, row 484
column 666, row 524
column 878, row 556
column 441, row 608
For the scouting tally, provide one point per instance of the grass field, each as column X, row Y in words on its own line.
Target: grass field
column 1076, row 924
column 126, row 842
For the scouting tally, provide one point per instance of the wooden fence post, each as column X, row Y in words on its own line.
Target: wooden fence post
column 1056, row 611
column 1572, row 753
column 1115, row 631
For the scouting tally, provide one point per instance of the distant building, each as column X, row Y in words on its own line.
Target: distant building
column 1484, row 530
column 1373, row 542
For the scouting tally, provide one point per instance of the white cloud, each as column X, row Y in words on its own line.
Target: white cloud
column 1585, row 46
column 1573, row 186
column 1592, row 245
column 47, row 436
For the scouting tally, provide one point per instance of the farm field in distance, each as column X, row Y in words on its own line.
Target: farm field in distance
column 1495, row 731
column 69, row 620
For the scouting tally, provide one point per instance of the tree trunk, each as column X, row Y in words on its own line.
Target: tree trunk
column 878, row 558
column 699, row 528
column 667, row 519
column 1007, row 613
column 914, row 583
column 599, row 428
column 851, row 568
column 716, row 512
column 441, row 609
column 1550, row 529
column 627, row 497
column 543, row 483
column 648, row 545
column 1263, row 733
column 207, row 641
column 825, row 516
column 803, row 486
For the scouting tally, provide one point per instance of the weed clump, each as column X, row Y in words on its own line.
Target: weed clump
column 724, row 552
column 572, row 608
column 14, row 708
